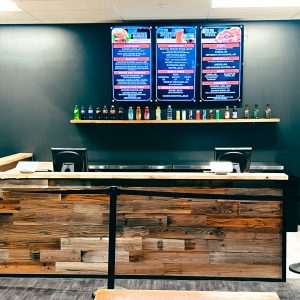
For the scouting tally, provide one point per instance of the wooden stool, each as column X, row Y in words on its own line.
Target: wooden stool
column 180, row 295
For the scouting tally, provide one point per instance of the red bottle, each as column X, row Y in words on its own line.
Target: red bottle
column 147, row 113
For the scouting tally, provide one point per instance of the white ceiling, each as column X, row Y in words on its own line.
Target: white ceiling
column 107, row 11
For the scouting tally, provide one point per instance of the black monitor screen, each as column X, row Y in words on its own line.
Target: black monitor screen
column 239, row 156
column 69, row 159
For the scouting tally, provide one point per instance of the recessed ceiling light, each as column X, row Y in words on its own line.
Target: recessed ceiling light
column 254, row 3
column 6, row 5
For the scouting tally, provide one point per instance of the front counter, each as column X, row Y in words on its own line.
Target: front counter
column 182, row 225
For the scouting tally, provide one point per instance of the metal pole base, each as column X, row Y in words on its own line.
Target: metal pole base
column 295, row 268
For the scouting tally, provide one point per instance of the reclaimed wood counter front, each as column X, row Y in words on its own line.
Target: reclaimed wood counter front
column 167, row 224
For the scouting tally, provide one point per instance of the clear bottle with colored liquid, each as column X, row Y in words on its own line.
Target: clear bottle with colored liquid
column 138, row 113
column 227, row 113
column 169, row 113
column 98, row 113
column 147, row 113
column 112, row 112
column 268, row 112
column 121, row 113
column 105, row 112
column 90, row 113
column 76, row 113
column 158, row 113
column 130, row 113
column 234, row 113
column 247, row 112
column 256, row 113
column 82, row 113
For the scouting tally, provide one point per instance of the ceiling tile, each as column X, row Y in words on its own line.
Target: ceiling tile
column 19, row 21
column 251, row 12
column 297, row 16
column 42, row 5
column 14, row 15
column 75, row 21
column 104, row 14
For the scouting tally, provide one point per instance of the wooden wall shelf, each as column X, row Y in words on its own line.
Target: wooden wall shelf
column 231, row 121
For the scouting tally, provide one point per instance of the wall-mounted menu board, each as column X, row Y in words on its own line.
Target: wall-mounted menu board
column 131, row 63
column 175, row 63
column 221, row 63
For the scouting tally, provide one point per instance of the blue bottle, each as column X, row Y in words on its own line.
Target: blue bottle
column 130, row 113
column 204, row 114
column 82, row 113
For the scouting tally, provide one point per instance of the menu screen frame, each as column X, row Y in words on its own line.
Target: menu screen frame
column 237, row 68
column 126, row 35
column 185, row 30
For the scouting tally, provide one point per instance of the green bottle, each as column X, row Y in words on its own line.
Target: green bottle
column 76, row 113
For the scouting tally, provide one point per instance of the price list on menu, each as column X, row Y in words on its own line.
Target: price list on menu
column 131, row 63
column 221, row 63
column 175, row 63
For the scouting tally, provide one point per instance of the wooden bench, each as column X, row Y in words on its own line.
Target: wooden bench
column 9, row 162
column 180, row 295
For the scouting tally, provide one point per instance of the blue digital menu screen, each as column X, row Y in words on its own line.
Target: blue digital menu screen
column 175, row 63
column 131, row 63
column 221, row 63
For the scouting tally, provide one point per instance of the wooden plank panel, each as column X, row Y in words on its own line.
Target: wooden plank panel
column 213, row 207
column 102, row 256
column 24, row 184
column 27, row 268
column 88, row 207
column 240, row 222
column 163, row 205
column 32, row 231
column 30, row 243
column 60, row 255
column 163, row 244
column 242, row 257
column 185, row 232
column 100, row 244
column 69, row 218
column 81, row 268
column 224, row 270
column 85, row 197
column 195, row 244
column 215, row 187
column 261, row 209
column 252, row 236
column 24, row 217
column 188, row 220
column 145, row 219
column 137, row 231
column 153, row 268
column 4, row 255
column 247, row 246
column 45, row 205
column 19, row 255
column 6, row 219
column 149, row 256
column 26, row 196
column 84, row 244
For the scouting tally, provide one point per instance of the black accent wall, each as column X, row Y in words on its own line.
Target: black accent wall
column 45, row 70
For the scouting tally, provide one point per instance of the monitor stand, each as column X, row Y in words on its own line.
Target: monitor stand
column 236, row 167
column 68, row 167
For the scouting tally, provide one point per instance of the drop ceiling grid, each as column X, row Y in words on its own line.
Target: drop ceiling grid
column 106, row 11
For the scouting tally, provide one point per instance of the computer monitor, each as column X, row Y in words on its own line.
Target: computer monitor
column 69, row 159
column 240, row 157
